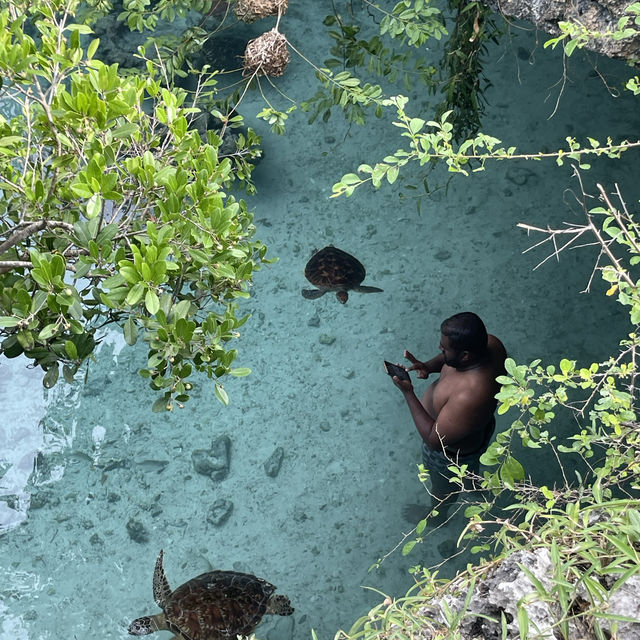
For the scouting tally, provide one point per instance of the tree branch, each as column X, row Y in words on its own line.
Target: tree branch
column 8, row 265
column 19, row 236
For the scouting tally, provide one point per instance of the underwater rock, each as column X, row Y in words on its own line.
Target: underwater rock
column 152, row 465
column 111, row 464
column 219, row 512
column 274, row 462
column 214, row 462
column 443, row 255
column 521, row 176
column 96, row 540
column 326, row 339
column 137, row 531
column 314, row 321
column 43, row 497
column 300, row 515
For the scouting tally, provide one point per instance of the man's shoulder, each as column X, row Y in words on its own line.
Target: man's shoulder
column 498, row 351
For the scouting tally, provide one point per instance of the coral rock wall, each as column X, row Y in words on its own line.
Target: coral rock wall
column 599, row 16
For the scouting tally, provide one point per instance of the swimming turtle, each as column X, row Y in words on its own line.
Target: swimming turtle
column 332, row 269
column 217, row 605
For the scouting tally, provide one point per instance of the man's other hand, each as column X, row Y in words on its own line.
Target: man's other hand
column 416, row 365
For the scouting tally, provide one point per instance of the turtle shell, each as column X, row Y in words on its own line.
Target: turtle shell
column 218, row 605
column 332, row 269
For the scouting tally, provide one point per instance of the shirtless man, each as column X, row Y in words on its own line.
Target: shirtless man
column 455, row 417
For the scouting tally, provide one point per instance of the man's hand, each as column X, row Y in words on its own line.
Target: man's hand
column 416, row 365
column 404, row 385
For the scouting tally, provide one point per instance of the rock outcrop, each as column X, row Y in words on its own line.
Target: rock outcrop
column 600, row 16
column 527, row 577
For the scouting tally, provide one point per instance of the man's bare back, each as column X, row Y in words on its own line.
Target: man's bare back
column 462, row 402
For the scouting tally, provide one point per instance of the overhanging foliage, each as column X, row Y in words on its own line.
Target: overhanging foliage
column 115, row 210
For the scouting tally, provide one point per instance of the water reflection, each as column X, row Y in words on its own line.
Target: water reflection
column 23, row 403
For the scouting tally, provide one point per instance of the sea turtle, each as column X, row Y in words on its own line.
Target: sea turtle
column 332, row 269
column 217, row 605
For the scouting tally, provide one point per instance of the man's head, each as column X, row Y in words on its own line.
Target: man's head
column 465, row 339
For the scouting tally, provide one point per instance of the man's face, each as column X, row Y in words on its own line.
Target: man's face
column 452, row 357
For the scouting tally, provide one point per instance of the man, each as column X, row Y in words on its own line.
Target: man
column 455, row 417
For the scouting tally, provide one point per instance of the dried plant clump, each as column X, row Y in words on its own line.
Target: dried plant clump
column 251, row 10
column 267, row 55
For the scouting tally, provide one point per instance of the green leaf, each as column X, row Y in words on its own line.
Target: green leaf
column 570, row 47
column 350, row 178
column 92, row 48
column 130, row 331
column 240, row 372
column 159, row 405
column 94, row 206
column 416, row 124
column 51, row 376
column 406, row 549
column 392, row 174
column 152, row 302
column 68, row 373
column 47, row 332
column 135, row 294
column 71, row 349
column 222, row 394
column 181, row 310
column 567, row 366
column 8, row 321
column 130, row 274
column 82, row 189
column 124, row 131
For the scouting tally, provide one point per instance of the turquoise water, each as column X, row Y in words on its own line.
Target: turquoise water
column 94, row 485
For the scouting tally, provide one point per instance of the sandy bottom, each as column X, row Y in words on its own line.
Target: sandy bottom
column 94, row 484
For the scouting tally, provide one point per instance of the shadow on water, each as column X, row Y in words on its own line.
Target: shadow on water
column 113, row 483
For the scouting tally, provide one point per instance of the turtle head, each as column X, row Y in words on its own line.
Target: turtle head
column 343, row 296
column 142, row 626
column 280, row 605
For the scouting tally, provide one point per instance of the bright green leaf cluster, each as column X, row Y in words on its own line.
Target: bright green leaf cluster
column 115, row 211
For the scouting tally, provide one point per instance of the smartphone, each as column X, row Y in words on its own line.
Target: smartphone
column 395, row 370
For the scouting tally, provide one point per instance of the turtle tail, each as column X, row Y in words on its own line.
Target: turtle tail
column 279, row 606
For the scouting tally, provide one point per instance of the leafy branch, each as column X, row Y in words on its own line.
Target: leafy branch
column 115, row 211
column 436, row 144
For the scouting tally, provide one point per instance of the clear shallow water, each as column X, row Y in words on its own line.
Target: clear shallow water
column 82, row 462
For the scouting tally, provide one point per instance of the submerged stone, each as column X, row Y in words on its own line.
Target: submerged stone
column 137, row 531
column 213, row 462
column 219, row 512
column 274, row 462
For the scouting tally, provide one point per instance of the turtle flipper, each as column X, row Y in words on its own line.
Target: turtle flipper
column 365, row 289
column 161, row 588
column 312, row 294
